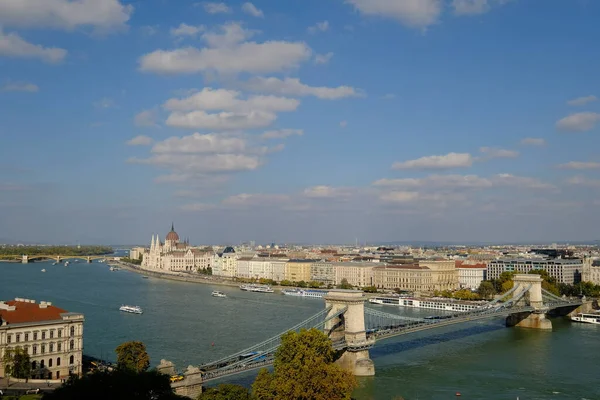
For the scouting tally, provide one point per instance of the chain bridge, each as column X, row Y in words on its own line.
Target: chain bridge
column 354, row 329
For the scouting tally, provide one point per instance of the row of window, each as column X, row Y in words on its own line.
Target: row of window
column 26, row 335
column 34, row 364
column 42, row 348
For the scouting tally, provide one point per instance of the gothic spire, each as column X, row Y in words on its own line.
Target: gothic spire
column 172, row 227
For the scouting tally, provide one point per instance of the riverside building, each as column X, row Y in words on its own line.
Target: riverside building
column 563, row 270
column 52, row 337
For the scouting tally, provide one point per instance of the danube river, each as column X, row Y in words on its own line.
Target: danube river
column 183, row 323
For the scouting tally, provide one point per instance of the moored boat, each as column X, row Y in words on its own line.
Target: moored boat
column 586, row 318
column 316, row 294
column 257, row 288
column 431, row 304
column 218, row 293
column 131, row 309
column 44, row 270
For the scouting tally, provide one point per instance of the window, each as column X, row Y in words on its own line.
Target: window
column 52, row 334
column 43, row 348
column 59, row 347
column 71, row 360
column 51, row 347
column 8, row 338
column 33, row 365
column 35, row 349
column 72, row 331
column 72, row 344
column 18, row 335
column 60, row 333
column 49, row 363
column 58, row 362
column 42, row 364
column 43, row 335
column 34, row 335
column 27, row 337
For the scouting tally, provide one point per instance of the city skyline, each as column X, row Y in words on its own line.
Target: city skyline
column 305, row 122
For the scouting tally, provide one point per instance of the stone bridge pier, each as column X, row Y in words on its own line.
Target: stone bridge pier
column 536, row 319
column 350, row 326
column 25, row 259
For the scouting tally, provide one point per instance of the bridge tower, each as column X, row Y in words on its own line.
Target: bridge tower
column 350, row 326
column 533, row 298
column 25, row 259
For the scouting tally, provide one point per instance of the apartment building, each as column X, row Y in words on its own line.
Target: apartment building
column 322, row 272
column 410, row 277
column 563, row 270
column 298, row 270
column 358, row 274
column 444, row 275
column 470, row 275
column 52, row 337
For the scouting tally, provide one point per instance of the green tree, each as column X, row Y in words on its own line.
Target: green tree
column 17, row 363
column 286, row 282
column 314, row 284
column 370, row 289
column 486, row 290
column 344, row 284
column 226, row 391
column 118, row 384
column 465, row 294
column 304, row 369
column 132, row 356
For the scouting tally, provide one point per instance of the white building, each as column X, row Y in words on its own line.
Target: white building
column 51, row 336
column 471, row 276
column 563, row 270
column 174, row 256
column 225, row 263
column 260, row 268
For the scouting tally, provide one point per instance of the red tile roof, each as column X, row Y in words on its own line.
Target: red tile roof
column 30, row 312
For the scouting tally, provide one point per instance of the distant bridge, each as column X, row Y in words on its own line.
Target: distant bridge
column 354, row 329
column 58, row 258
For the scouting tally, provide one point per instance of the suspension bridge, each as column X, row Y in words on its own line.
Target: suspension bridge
column 354, row 329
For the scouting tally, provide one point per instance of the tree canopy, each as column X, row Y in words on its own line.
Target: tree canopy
column 304, row 369
column 117, row 384
column 132, row 356
column 344, row 284
column 226, row 392
column 17, row 363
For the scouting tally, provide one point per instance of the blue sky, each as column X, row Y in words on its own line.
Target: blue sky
column 299, row 121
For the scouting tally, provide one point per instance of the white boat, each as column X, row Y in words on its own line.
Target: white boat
column 586, row 318
column 54, row 263
column 66, row 263
column 316, row 294
column 131, row 309
column 430, row 304
column 257, row 288
column 114, row 268
column 217, row 293
column 44, row 270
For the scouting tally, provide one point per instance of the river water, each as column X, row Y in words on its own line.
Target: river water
column 183, row 323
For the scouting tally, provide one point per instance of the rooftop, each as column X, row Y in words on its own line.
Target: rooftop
column 19, row 311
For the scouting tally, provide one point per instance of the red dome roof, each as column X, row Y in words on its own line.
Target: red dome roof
column 173, row 235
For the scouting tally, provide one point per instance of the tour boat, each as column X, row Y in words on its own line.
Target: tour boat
column 316, row 294
column 54, row 263
column 218, row 293
column 114, row 268
column 431, row 304
column 66, row 263
column 44, row 270
column 586, row 318
column 257, row 288
column 131, row 309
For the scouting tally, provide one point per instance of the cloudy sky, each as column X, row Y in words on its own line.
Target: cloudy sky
column 300, row 120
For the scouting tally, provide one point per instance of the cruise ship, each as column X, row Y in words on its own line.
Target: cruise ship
column 316, row 294
column 431, row 304
column 587, row 318
column 257, row 288
column 131, row 309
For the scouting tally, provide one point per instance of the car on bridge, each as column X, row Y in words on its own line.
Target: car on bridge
column 177, row 378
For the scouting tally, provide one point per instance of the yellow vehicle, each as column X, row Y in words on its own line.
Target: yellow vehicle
column 176, row 378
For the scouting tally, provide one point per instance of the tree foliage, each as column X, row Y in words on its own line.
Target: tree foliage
column 304, row 369
column 226, row 392
column 117, row 384
column 17, row 363
column 344, row 284
column 370, row 289
column 132, row 356
column 486, row 290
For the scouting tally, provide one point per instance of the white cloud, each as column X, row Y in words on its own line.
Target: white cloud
column 253, row 112
column 12, row 45
column 140, row 140
column 581, row 181
column 323, row 191
column 533, row 142
column 258, row 199
column 103, row 15
column 343, row 124
column 187, row 30
column 578, row 122
column 319, row 27
column 205, row 163
column 251, row 9
column 252, row 57
column 293, row 87
column 227, row 35
column 412, row 13
column 580, row 165
column 437, row 181
column 104, row 103
column 323, row 58
column 492, row 152
column 470, row 7
column 20, row 87
column 197, row 207
column 201, row 144
column 520, row 181
column 216, row 8
column 146, row 118
column 281, row 133
column 581, row 101
column 450, row 160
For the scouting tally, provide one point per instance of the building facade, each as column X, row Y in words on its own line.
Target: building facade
column 298, row 270
column 563, row 270
column 444, row 275
column 51, row 336
column 471, row 276
column 409, row 277
column 322, row 272
column 175, row 256
column 225, row 263
column 357, row 274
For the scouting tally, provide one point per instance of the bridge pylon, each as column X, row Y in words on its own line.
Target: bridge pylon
column 532, row 285
column 25, row 259
column 350, row 327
